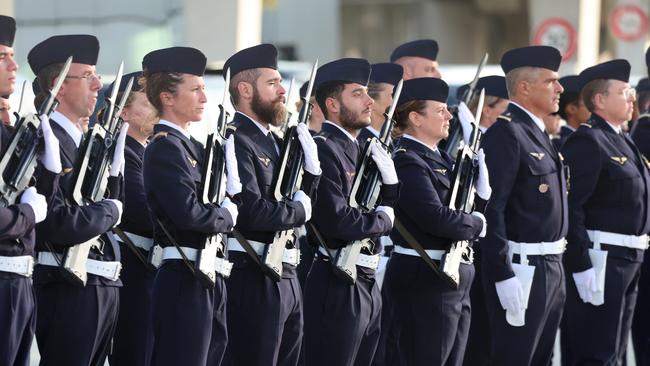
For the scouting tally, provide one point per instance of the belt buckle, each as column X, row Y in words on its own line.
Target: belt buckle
column 542, row 248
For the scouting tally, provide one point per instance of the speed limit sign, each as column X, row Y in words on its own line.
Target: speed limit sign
column 628, row 22
column 559, row 33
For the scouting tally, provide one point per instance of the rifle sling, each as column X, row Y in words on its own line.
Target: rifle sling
column 184, row 258
column 249, row 249
column 321, row 242
column 129, row 243
column 418, row 247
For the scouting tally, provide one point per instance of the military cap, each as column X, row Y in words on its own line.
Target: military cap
column 424, row 89
column 460, row 92
column 571, row 84
column 185, row 60
column 345, row 70
column 35, row 87
column 643, row 85
column 618, row 69
column 125, row 79
column 7, row 30
column 83, row 48
column 261, row 56
column 303, row 89
column 494, row 85
column 426, row 48
column 531, row 56
column 386, row 72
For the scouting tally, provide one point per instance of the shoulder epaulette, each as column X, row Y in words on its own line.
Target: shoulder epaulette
column 505, row 117
column 231, row 127
column 586, row 125
column 322, row 135
column 159, row 135
column 400, row 150
column 644, row 115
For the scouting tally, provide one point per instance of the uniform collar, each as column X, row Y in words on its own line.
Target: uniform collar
column 264, row 130
column 68, row 127
column 433, row 149
column 538, row 121
column 373, row 131
column 176, row 127
column 342, row 130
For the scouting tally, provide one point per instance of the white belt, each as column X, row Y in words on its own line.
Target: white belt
column 23, row 265
column 543, row 248
column 290, row 256
column 221, row 265
column 108, row 270
column 434, row 254
column 630, row 241
column 364, row 260
column 139, row 241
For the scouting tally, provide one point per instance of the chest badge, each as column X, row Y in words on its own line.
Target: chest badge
column 543, row 188
column 441, row 171
column 537, row 156
column 619, row 159
column 266, row 161
column 350, row 174
column 192, row 162
column 646, row 161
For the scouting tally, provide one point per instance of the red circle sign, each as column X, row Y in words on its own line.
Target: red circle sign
column 558, row 33
column 628, row 22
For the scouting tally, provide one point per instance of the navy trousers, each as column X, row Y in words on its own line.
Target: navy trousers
column 641, row 320
column 599, row 334
column 184, row 315
column 424, row 320
column 132, row 340
column 342, row 321
column 478, row 340
column 265, row 318
column 17, row 320
column 75, row 324
column 531, row 344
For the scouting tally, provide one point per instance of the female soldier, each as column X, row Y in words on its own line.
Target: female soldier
column 186, row 314
column 425, row 320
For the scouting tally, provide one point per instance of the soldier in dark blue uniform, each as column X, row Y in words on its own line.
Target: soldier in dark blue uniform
column 342, row 321
column 426, row 320
column 383, row 79
column 189, row 317
column 572, row 108
column 608, row 219
column 316, row 117
column 75, row 323
column 495, row 103
column 265, row 318
column 419, row 58
column 17, row 221
column 641, row 322
column 527, row 215
column 134, row 322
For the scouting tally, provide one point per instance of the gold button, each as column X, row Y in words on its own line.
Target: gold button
column 543, row 188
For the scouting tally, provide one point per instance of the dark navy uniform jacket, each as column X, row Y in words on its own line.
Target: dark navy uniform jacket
column 338, row 222
column 68, row 224
column 17, row 236
column 529, row 196
column 136, row 218
column 425, row 178
column 363, row 136
column 172, row 175
column 609, row 191
column 565, row 132
column 641, row 134
column 261, row 216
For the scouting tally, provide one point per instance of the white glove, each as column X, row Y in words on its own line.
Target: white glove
column 586, row 284
column 304, row 199
column 37, row 202
column 312, row 164
column 51, row 157
column 232, row 209
column 388, row 211
column 483, row 188
column 233, row 184
column 484, row 229
column 384, row 164
column 511, row 294
column 118, row 155
column 117, row 204
column 466, row 119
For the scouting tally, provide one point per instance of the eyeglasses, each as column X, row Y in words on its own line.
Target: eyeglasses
column 627, row 93
column 88, row 77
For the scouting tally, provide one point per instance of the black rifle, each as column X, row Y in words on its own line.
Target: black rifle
column 461, row 197
column 451, row 144
column 19, row 160
column 365, row 193
column 287, row 181
column 90, row 175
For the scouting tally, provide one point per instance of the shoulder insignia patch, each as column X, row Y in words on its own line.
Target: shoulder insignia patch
column 159, row 135
column 537, row 155
column 619, row 159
